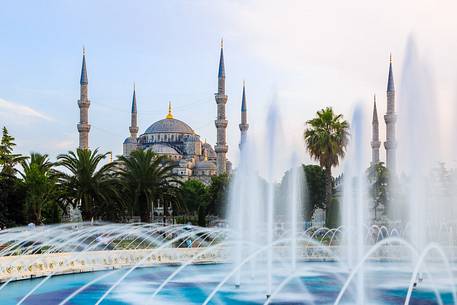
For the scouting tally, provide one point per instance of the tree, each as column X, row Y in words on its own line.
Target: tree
column 146, row 178
column 11, row 191
column 195, row 199
column 378, row 178
column 326, row 138
column 8, row 160
column 39, row 180
column 217, row 194
column 89, row 185
column 315, row 180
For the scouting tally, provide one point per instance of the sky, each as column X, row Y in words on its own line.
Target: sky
column 300, row 55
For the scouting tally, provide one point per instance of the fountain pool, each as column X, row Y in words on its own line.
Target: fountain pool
column 315, row 283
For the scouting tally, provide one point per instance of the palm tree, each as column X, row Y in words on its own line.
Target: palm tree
column 326, row 138
column 39, row 180
column 146, row 178
column 88, row 185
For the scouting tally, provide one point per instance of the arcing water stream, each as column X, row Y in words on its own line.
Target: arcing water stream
column 265, row 255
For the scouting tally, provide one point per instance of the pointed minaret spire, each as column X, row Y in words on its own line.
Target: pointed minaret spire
column 84, row 80
column 83, row 104
column 221, row 122
column 131, row 143
column 244, row 126
column 390, row 81
column 390, row 118
column 133, row 118
column 221, row 71
column 375, row 143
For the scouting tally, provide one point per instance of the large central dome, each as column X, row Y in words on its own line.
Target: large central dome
column 170, row 125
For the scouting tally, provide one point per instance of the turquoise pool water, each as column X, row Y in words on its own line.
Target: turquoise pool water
column 317, row 283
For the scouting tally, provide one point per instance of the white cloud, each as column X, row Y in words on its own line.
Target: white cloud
column 15, row 110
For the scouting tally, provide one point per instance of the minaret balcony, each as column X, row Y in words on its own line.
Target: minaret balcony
column 221, row 123
column 390, row 145
column 221, row 98
column 390, row 118
column 83, row 127
column 244, row 127
column 375, row 144
column 83, row 103
column 221, row 148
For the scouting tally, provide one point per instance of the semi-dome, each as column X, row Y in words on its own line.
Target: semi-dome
column 163, row 149
column 170, row 126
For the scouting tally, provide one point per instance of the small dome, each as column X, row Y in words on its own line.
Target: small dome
column 210, row 150
column 163, row 149
column 130, row 140
column 205, row 165
column 170, row 126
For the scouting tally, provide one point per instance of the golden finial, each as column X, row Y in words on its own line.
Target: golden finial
column 205, row 155
column 170, row 114
column 222, row 43
column 110, row 156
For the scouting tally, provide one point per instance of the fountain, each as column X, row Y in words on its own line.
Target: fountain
column 266, row 254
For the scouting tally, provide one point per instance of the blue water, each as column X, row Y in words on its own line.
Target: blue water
column 318, row 283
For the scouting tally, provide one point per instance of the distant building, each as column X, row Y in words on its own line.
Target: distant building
column 174, row 138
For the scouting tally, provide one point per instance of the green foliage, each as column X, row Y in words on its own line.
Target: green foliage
column 11, row 191
column 194, row 197
column 12, row 197
column 88, row 184
column 378, row 179
column 315, row 180
column 326, row 138
column 8, row 160
column 40, row 182
column 146, row 178
column 217, row 194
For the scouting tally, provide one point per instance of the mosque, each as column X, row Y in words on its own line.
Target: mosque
column 171, row 137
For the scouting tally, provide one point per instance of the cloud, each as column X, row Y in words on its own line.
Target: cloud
column 65, row 144
column 14, row 110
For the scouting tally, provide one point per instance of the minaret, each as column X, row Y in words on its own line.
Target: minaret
column 390, row 118
column 131, row 143
column 221, row 147
column 83, row 103
column 244, row 126
column 375, row 143
column 133, row 118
